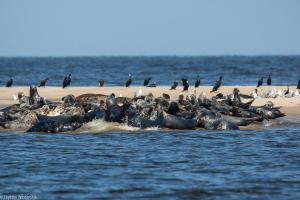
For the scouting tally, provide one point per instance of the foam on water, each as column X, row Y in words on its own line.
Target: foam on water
column 102, row 126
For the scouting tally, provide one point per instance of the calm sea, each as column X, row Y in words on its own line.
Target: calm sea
column 86, row 71
column 128, row 163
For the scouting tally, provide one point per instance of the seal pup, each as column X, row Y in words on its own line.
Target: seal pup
column 146, row 81
column 197, row 83
column 269, row 81
column 260, row 82
column 129, row 81
column 175, row 84
column 43, row 82
column 217, row 84
column 9, row 82
column 101, row 83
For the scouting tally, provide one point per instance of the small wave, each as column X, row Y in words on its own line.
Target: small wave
column 103, row 126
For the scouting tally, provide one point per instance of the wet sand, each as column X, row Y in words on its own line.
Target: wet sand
column 290, row 106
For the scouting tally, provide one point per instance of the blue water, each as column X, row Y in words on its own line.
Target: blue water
column 86, row 71
column 157, row 164
column 261, row 164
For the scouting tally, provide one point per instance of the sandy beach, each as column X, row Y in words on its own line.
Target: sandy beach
column 290, row 106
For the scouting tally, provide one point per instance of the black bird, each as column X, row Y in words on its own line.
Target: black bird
column 65, row 82
column 217, row 84
column 260, row 82
column 269, row 81
column 298, row 86
column 146, row 81
column 10, row 82
column 101, row 83
column 175, row 84
column 287, row 91
column 186, row 86
column 43, row 82
column 152, row 85
column 184, row 81
column 129, row 81
column 69, row 80
column 197, row 83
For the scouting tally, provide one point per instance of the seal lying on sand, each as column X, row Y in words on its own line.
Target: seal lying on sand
column 35, row 114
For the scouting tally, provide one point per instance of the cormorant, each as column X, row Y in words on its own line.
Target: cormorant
column 101, row 83
column 260, row 82
column 129, row 81
column 175, row 84
column 10, row 82
column 217, row 84
column 43, row 82
column 269, row 81
column 146, row 81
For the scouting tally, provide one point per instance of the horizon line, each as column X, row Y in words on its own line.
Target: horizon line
column 147, row 55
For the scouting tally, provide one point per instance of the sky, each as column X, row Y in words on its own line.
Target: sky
column 149, row 27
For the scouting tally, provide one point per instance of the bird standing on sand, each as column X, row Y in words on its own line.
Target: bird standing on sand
column 185, row 84
column 65, row 82
column 69, row 80
column 260, row 82
column 186, row 87
column 217, row 84
column 287, row 91
column 269, row 81
column 43, row 82
column 298, row 86
column 197, row 83
column 129, row 81
column 10, row 82
column 254, row 94
column 101, row 83
column 173, row 87
column 146, row 81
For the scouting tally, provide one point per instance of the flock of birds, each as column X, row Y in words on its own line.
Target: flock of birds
column 185, row 83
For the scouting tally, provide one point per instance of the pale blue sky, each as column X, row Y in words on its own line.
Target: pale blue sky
column 152, row 27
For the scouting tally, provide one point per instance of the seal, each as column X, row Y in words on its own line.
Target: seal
column 175, row 122
column 54, row 127
column 91, row 98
